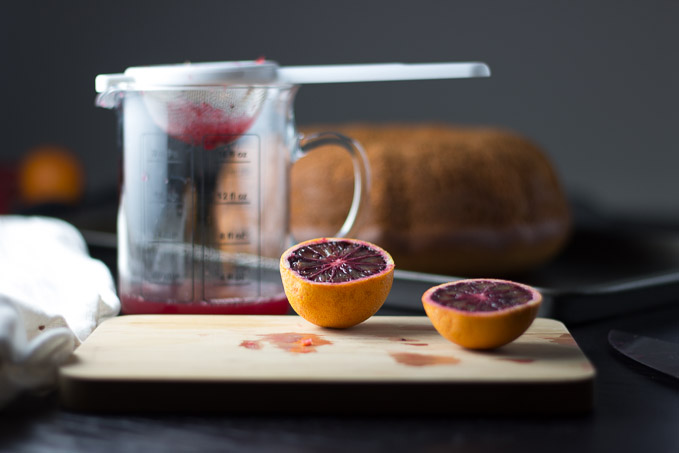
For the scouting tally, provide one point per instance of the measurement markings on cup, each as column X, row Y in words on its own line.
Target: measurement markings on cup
column 236, row 216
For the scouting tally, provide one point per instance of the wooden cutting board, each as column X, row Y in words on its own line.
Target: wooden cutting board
column 269, row 364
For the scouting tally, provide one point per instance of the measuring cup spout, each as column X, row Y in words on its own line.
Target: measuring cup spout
column 110, row 88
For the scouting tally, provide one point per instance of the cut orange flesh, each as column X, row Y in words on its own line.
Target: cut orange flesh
column 334, row 282
column 481, row 313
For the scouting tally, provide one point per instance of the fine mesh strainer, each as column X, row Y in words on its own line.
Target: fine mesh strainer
column 194, row 100
column 200, row 117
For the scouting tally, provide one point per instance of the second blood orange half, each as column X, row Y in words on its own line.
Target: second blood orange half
column 481, row 313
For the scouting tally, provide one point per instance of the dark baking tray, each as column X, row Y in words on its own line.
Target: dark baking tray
column 609, row 267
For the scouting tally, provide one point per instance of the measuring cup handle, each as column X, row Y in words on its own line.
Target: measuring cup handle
column 361, row 173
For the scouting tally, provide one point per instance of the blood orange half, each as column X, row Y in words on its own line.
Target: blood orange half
column 334, row 282
column 482, row 313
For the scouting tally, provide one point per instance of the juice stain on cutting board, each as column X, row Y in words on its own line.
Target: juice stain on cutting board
column 296, row 343
column 518, row 359
column 563, row 339
column 251, row 344
column 413, row 359
column 408, row 341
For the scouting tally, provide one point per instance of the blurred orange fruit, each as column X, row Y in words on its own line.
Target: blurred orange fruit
column 50, row 174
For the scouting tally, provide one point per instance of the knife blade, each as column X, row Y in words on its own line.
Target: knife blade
column 662, row 356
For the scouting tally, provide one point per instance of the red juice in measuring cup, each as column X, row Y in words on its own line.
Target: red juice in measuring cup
column 136, row 301
column 138, row 305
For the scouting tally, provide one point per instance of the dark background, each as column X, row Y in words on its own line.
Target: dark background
column 593, row 82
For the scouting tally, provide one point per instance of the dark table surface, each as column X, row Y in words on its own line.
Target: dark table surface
column 635, row 408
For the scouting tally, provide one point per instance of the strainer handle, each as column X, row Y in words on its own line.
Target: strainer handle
column 361, row 174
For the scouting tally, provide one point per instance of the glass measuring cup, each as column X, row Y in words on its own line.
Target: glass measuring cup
column 203, row 216
column 207, row 150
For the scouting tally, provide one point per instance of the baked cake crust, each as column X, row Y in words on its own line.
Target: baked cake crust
column 467, row 201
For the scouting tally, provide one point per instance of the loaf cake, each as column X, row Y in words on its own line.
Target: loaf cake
column 461, row 201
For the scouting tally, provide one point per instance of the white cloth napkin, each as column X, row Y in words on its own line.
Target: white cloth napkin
column 52, row 296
